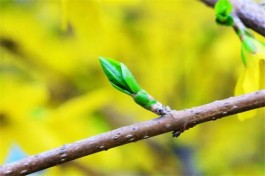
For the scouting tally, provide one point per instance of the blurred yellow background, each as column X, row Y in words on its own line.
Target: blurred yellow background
column 53, row 91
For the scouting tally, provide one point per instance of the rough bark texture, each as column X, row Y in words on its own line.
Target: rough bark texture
column 250, row 13
column 175, row 121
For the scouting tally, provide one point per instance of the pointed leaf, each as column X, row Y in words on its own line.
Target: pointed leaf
column 112, row 70
column 129, row 79
column 121, row 89
column 223, row 9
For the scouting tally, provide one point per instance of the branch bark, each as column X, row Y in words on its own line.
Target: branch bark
column 175, row 121
column 250, row 13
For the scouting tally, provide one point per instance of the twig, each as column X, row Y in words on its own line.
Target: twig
column 249, row 12
column 175, row 121
column 238, row 26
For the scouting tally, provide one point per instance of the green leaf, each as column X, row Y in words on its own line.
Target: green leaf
column 120, row 76
column 121, row 89
column 129, row 79
column 112, row 69
column 223, row 9
column 243, row 56
column 224, row 20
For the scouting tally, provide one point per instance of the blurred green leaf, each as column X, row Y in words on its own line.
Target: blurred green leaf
column 244, row 59
column 223, row 9
column 248, row 43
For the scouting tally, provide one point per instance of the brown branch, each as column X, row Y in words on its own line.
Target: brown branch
column 175, row 121
column 250, row 13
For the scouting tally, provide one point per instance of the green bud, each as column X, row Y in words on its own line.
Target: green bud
column 122, row 79
column 120, row 76
column 224, row 20
column 223, row 9
column 129, row 79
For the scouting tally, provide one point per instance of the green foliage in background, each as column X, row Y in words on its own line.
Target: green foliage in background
column 53, row 91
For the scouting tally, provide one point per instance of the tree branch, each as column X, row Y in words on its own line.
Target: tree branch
column 175, row 121
column 250, row 13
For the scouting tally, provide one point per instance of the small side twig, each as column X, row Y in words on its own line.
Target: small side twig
column 175, row 121
column 250, row 13
column 238, row 26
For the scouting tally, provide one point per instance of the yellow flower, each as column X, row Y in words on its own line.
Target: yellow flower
column 253, row 76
